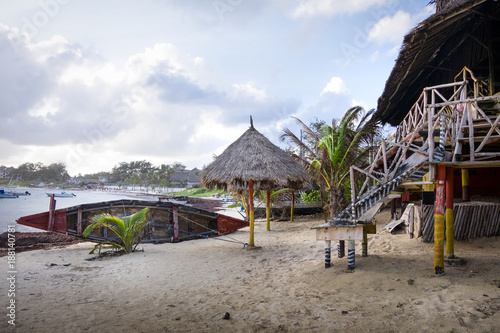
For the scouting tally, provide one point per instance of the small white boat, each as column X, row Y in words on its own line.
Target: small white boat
column 62, row 195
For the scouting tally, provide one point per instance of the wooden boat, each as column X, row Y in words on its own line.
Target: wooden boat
column 62, row 195
column 168, row 221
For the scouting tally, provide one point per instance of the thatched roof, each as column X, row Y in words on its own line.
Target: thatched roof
column 253, row 156
column 458, row 35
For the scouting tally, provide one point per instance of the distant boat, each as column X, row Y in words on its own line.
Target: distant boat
column 62, row 195
column 4, row 194
column 168, row 222
column 18, row 193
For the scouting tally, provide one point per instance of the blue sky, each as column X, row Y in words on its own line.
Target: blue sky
column 94, row 83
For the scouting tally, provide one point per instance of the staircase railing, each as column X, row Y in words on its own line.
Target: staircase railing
column 448, row 110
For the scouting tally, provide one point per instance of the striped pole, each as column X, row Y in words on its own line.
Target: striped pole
column 450, row 238
column 328, row 246
column 351, row 263
column 465, row 185
column 439, row 221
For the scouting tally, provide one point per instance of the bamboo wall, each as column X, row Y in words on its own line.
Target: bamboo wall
column 471, row 220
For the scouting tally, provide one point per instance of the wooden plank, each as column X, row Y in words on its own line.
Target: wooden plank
column 340, row 233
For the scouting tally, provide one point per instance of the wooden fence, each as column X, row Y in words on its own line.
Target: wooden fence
column 471, row 220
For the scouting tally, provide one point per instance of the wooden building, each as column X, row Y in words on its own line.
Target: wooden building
column 443, row 97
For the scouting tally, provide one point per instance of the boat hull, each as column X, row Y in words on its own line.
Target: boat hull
column 191, row 222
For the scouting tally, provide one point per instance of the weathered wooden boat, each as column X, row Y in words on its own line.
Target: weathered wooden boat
column 168, row 221
column 61, row 195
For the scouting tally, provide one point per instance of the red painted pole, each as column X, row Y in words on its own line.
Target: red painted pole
column 450, row 230
column 439, row 221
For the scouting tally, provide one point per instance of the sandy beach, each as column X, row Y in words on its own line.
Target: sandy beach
column 280, row 286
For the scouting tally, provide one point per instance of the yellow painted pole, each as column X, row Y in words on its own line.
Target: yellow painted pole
column 465, row 185
column 251, row 211
column 450, row 229
column 292, row 208
column 439, row 222
column 268, row 209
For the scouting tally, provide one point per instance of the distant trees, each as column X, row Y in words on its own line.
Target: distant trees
column 136, row 173
column 38, row 171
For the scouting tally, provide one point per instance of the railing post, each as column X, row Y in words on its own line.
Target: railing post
column 430, row 125
column 353, row 194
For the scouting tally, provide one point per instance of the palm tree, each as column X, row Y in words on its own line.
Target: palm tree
column 309, row 150
column 128, row 229
column 345, row 144
column 329, row 151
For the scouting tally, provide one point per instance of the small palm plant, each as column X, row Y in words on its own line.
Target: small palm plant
column 128, row 229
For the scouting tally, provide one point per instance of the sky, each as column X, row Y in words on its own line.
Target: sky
column 94, row 83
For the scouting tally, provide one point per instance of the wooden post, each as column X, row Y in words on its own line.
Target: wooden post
column 52, row 213
column 268, row 209
column 293, row 206
column 450, row 230
column 175, row 217
column 79, row 222
column 439, row 221
column 328, row 246
column 364, row 244
column 341, row 249
column 465, row 185
column 251, row 212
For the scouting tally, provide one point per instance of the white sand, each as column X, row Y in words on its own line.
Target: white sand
column 280, row 287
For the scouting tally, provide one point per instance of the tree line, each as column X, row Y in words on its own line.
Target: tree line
column 135, row 172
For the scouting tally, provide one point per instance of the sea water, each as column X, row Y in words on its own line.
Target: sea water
column 38, row 202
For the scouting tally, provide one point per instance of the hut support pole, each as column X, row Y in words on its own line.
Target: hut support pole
column 450, row 239
column 439, row 221
column 465, row 185
column 292, row 206
column 328, row 247
column 341, row 249
column 364, row 244
column 351, row 264
column 251, row 212
column 268, row 209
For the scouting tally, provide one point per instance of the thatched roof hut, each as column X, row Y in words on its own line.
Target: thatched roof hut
column 253, row 156
column 461, row 33
column 250, row 161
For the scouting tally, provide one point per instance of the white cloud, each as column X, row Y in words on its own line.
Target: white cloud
column 248, row 91
column 335, row 86
column 329, row 8
column 391, row 29
column 164, row 105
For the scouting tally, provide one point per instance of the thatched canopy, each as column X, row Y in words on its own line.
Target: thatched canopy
column 253, row 156
column 462, row 33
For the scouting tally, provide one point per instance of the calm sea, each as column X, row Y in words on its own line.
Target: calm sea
column 38, row 202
